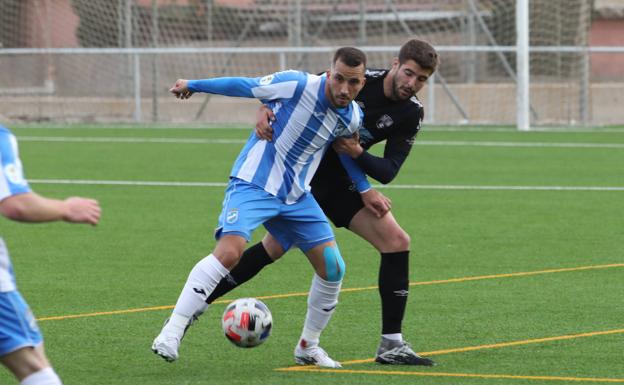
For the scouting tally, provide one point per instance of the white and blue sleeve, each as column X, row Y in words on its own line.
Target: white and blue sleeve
column 12, row 179
column 355, row 172
column 280, row 85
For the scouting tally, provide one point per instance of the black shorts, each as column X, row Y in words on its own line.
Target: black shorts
column 335, row 192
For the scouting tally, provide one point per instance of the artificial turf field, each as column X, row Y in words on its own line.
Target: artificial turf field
column 517, row 264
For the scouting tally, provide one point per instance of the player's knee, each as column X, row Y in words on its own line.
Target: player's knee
column 229, row 250
column 334, row 264
column 403, row 240
column 228, row 258
column 396, row 240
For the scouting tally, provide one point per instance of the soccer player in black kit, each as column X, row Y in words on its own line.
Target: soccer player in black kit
column 391, row 113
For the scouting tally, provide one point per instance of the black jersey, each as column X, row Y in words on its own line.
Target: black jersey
column 396, row 122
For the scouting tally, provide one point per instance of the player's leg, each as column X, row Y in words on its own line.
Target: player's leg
column 393, row 243
column 244, row 208
column 329, row 271
column 21, row 344
column 254, row 259
column 191, row 302
column 31, row 367
column 305, row 225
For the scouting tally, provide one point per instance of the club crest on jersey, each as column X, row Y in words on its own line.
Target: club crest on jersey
column 232, row 216
column 384, row 121
column 360, row 103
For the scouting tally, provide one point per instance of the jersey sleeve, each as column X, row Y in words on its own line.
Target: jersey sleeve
column 398, row 146
column 12, row 181
column 355, row 172
column 280, row 85
column 358, row 176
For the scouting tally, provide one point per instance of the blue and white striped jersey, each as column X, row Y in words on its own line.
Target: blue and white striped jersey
column 305, row 125
column 12, row 182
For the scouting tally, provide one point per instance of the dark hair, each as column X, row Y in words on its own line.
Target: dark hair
column 421, row 52
column 351, row 56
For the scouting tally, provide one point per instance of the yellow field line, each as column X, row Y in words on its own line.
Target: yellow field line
column 440, row 374
column 470, row 375
column 502, row 344
column 519, row 274
column 346, row 290
column 100, row 313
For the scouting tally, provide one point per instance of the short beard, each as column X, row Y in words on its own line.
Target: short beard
column 395, row 90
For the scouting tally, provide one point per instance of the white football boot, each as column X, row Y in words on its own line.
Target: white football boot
column 314, row 355
column 166, row 344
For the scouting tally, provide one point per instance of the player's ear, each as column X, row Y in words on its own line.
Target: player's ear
column 395, row 62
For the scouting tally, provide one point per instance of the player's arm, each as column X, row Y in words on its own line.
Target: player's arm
column 19, row 203
column 280, row 85
column 383, row 169
column 373, row 200
column 32, row 207
column 355, row 172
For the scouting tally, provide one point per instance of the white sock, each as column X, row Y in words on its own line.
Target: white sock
column 322, row 302
column 200, row 283
column 393, row 336
column 45, row 376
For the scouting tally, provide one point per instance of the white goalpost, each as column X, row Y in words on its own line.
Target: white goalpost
column 523, row 122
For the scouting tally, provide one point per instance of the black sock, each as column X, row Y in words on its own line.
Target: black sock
column 250, row 264
column 393, row 289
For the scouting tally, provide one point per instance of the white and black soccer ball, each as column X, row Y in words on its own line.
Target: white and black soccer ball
column 247, row 322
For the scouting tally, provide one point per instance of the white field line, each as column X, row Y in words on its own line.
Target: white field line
column 553, row 130
column 517, row 144
column 396, row 186
column 241, row 141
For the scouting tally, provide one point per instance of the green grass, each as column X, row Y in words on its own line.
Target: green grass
column 151, row 236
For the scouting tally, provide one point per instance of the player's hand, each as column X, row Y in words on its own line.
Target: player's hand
column 349, row 146
column 180, row 89
column 264, row 117
column 376, row 202
column 82, row 210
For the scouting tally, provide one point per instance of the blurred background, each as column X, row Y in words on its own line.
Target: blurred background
column 112, row 61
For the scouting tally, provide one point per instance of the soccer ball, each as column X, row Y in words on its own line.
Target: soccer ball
column 247, row 322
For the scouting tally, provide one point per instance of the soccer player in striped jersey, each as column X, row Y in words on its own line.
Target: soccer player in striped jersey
column 269, row 185
column 21, row 343
column 392, row 113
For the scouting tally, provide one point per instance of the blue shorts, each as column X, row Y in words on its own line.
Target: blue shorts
column 247, row 206
column 18, row 328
